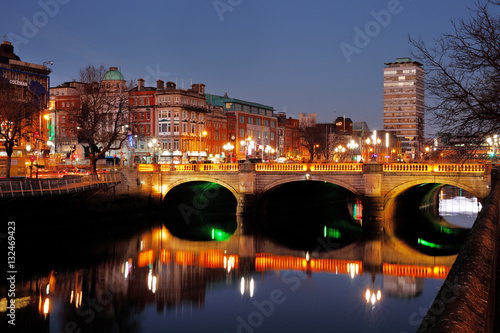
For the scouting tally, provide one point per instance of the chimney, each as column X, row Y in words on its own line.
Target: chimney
column 171, row 85
column 198, row 88
column 159, row 85
column 140, row 85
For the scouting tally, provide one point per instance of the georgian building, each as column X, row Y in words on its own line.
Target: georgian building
column 255, row 126
column 181, row 116
column 288, row 137
column 64, row 98
column 143, row 121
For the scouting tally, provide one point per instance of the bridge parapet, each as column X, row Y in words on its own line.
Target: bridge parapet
column 319, row 167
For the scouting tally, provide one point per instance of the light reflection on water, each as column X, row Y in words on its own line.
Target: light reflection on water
column 154, row 281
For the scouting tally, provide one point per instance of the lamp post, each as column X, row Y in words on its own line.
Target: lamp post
column 314, row 151
column 352, row 145
column 373, row 140
column 247, row 143
column 339, row 150
column 493, row 142
column 229, row 147
column 204, row 133
column 269, row 150
column 154, row 144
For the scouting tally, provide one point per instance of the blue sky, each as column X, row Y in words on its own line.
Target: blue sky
column 297, row 56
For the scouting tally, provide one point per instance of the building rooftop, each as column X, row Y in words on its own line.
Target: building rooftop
column 113, row 75
column 401, row 61
column 222, row 100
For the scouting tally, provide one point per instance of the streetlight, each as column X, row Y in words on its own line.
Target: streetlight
column 339, row 150
column 374, row 141
column 269, row 150
column 314, row 150
column 352, row 145
column 247, row 143
column 229, row 147
column 204, row 133
column 493, row 142
column 154, row 144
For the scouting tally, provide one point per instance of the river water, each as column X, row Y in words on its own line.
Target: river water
column 313, row 272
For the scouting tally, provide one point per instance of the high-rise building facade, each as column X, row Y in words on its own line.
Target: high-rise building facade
column 404, row 104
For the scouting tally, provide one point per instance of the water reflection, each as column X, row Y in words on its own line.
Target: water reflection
column 438, row 229
column 308, row 275
column 154, row 275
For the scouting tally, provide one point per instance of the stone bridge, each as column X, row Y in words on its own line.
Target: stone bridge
column 376, row 185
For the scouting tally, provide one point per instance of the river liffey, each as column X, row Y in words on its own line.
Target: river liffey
column 319, row 271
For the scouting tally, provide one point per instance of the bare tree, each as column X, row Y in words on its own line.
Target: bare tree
column 463, row 74
column 18, row 117
column 313, row 140
column 101, row 121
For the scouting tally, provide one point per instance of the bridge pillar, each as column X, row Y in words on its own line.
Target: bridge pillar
column 246, row 197
column 373, row 201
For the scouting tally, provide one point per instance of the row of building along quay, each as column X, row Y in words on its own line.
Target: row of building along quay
column 169, row 124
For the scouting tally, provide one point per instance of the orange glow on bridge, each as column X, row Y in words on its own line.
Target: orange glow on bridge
column 264, row 261
column 316, row 167
column 436, row 272
column 145, row 258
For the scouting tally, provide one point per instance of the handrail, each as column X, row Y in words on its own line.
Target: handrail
column 50, row 186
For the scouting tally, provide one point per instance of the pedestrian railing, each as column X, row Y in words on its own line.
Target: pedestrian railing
column 52, row 186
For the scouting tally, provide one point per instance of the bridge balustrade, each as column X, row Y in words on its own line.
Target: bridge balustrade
column 407, row 167
column 315, row 167
column 280, row 167
column 356, row 167
column 219, row 167
column 460, row 168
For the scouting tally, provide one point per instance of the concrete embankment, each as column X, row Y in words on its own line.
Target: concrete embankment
column 466, row 301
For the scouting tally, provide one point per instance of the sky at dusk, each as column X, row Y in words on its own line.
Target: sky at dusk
column 318, row 56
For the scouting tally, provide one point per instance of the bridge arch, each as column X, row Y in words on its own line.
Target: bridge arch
column 321, row 178
column 197, row 178
column 391, row 196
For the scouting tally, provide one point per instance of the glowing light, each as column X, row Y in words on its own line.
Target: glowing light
column 46, row 306
column 429, row 244
column 145, row 258
column 71, row 297
column 242, row 286
column 252, row 287
column 150, row 279
column 153, row 288
column 220, row 235
column 331, row 232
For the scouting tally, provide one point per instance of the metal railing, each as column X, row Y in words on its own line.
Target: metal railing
column 52, row 186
